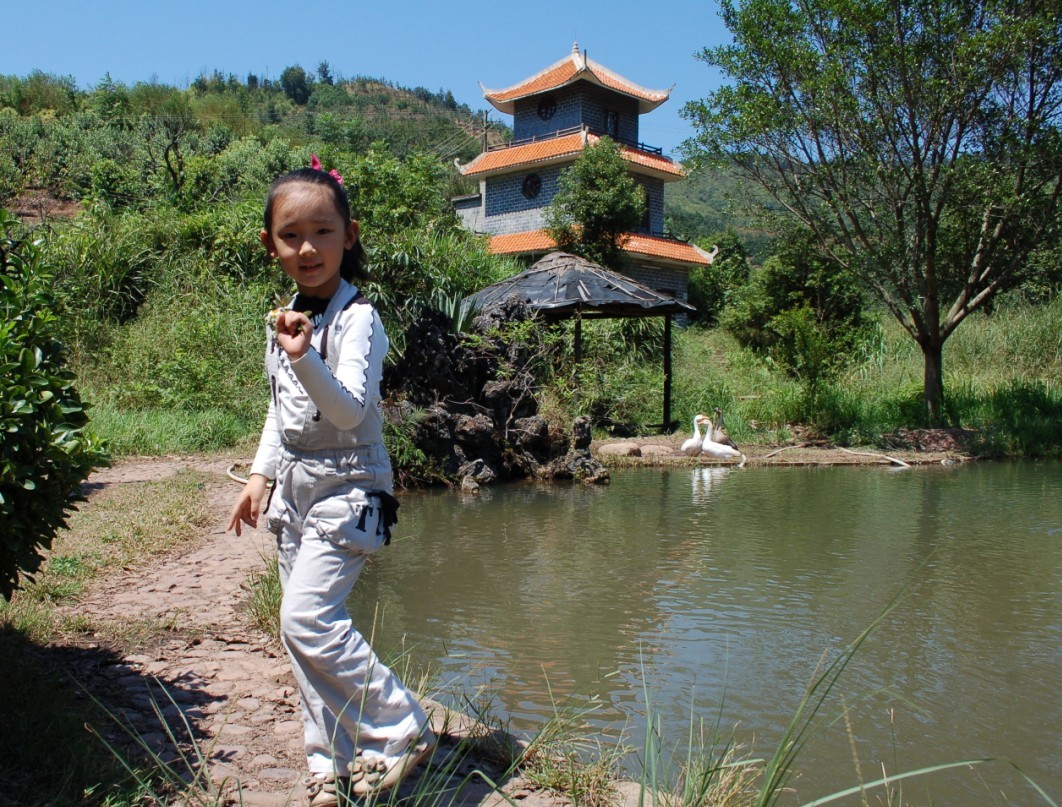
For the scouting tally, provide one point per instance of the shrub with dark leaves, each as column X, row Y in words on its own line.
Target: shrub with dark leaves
column 46, row 453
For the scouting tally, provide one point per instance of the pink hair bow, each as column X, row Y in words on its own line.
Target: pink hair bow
column 315, row 164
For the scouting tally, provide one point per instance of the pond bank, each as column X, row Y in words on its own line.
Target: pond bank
column 913, row 447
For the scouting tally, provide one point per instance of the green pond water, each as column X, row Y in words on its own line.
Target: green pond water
column 715, row 593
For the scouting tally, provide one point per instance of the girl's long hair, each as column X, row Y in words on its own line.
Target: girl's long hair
column 354, row 259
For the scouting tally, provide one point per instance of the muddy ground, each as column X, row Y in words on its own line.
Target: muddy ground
column 207, row 666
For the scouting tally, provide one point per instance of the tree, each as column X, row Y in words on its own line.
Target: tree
column 296, row 84
column 711, row 287
column 917, row 139
column 801, row 308
column 166, row 131
column 598, row 201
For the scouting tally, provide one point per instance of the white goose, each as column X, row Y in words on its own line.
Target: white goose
column 692, row 447
column 718, row 450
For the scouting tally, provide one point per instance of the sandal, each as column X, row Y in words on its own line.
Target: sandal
column 372, row 776
column 324, row 789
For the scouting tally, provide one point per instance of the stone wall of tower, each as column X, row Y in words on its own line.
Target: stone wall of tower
column 507, row 209
column 470, row 210
column 654, row 196
column 505, row 194
column 667, row 281
column 581, row 104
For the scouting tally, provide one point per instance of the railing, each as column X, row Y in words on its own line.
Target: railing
column 665, row 234
column 576, row 130
column 523, row 141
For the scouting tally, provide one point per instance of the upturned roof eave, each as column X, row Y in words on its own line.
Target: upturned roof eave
column 508, row 105
column 582, row 68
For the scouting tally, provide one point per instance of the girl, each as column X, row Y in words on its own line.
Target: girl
column 331, row 505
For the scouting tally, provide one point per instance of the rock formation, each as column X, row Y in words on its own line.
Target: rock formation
column 470, row 405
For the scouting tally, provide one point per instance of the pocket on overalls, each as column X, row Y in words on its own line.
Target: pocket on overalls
column 278, row 513
column 349, row 521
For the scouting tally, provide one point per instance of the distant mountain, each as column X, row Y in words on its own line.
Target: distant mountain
column 710, row 201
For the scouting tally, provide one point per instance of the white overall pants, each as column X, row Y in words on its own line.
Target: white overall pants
column 328, row 523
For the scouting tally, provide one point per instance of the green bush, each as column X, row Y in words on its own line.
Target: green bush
column 712, row 287
column 801, row 309
column 45, row 453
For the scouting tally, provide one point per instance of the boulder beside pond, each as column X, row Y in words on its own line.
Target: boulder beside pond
column 620, row 450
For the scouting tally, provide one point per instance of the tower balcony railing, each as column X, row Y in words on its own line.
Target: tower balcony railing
column 667, row 235
column 523, row 141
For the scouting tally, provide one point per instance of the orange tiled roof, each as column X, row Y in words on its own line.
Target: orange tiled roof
column 491, row 162
column 651, row 246
column 665, row 248
column 572, row 68
column 554, row 76
column 646, row 159
column 516, row 243
column 541, row 150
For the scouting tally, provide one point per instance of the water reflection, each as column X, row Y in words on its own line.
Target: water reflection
column 721, row 591
column 703, row 480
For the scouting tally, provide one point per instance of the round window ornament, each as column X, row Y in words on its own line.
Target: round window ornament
column 531, row 186
column 547, row 107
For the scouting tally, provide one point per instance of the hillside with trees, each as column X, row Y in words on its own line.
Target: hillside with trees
column 713, row 199
column 74, row 144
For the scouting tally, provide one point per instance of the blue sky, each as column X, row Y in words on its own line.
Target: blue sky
column 436, row 45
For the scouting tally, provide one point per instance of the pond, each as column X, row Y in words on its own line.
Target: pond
column 715, row 593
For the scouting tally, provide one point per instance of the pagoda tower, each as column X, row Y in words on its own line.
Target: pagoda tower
column 557, row 113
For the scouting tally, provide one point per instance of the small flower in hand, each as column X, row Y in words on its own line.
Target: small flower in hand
column 273, row 318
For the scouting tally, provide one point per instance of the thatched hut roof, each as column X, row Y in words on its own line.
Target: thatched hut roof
column 560, row 285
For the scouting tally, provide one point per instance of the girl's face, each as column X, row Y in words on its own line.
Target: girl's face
column 308, row 237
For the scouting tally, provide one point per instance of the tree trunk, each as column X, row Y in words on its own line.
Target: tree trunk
column 933, row 353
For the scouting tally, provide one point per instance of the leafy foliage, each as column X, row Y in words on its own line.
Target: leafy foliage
column 802, row 309
column 711, row 287
column 296, row 84
column 46, row 451
column 920, row 141
column 598, row 200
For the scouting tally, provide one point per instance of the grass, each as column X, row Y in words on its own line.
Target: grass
column 562, row 759
column 1001, row 379
column 155, row 391
column 126, row 524
column 158, row 431
column 263, row 604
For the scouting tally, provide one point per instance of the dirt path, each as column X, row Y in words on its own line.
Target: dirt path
column 229, row 681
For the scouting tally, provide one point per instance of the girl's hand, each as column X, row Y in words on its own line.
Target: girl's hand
column 248, row 504
column 294, row 329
